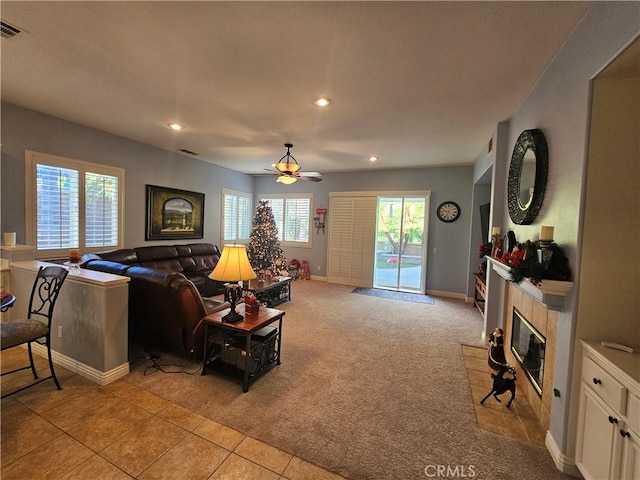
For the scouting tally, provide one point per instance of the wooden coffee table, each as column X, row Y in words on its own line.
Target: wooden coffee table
column 270, row 292
column 255, row 344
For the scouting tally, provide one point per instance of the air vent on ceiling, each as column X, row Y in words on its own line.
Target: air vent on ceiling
column 7, row 30
column 189, row 152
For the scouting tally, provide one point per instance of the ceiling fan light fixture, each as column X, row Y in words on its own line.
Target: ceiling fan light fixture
column 286, row 179
column 287, row 163
column 287, row 167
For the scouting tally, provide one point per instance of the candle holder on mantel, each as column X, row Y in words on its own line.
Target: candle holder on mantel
column 544, row 251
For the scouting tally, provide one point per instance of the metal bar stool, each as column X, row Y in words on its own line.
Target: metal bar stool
column 44, row 294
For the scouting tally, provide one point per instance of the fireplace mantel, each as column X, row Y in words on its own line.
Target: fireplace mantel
column 550, row 293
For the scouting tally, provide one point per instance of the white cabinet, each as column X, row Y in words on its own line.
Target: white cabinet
column 608, row 437
column 631, row 457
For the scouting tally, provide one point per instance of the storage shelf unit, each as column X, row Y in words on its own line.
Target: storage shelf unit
column 479, row 296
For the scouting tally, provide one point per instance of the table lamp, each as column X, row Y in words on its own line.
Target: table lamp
column 233, row 267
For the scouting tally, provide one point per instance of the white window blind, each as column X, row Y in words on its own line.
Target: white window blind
column 236, row 216
column 72, row 204
column 292, row 214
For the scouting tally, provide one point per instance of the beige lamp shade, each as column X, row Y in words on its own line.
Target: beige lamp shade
column 233, row 265
column 286, row 179
column 287, row 167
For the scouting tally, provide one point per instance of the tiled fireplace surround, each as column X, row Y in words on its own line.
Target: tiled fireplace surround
column 545, row 321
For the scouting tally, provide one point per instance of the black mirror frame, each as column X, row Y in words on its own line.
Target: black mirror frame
column 529, row 139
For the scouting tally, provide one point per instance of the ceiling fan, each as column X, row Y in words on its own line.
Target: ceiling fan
column 288, row 169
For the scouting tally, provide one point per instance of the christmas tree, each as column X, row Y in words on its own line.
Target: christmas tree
column 264, row 250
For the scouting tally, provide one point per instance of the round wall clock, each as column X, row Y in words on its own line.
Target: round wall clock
column 448, row 211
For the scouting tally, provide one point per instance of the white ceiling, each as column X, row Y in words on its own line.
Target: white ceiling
column 415, row 83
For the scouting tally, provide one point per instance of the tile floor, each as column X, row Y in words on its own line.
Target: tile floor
column 120, row 431
column 517, row 422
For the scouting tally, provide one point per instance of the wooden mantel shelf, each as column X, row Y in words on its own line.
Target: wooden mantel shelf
column 550, row 293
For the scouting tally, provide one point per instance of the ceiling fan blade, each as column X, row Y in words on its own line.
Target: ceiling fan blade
column 311, row 179
column 310, row 174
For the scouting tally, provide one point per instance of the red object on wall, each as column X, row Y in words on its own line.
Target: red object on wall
column 320, row 219
column 305, row 269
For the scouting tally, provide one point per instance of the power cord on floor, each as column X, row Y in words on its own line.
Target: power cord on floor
column 156, row 366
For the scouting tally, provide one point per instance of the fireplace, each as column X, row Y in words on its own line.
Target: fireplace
column 528, row 346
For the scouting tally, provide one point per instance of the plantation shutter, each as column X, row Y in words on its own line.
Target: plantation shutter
column 352, row 236
column 277, row 208
column 236, row 216
column 297, row 224
column 72, row 204
column 101, row 210
column 292, row 216
column 57, row 207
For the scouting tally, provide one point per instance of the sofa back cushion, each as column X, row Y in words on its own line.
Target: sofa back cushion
column 185, row 258
column 106, row 266
column 126, row 256
column 205, row 256
column 162, row 257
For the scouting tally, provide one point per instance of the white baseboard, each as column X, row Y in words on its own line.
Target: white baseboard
column 90, row 373
column 563, row 463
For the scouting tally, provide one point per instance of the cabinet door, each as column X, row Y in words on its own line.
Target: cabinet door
column 598, row 447
column 630, row 456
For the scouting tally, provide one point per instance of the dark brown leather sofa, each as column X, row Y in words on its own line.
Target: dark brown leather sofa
column 166, row 290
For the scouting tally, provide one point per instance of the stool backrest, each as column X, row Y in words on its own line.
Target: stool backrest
column 44, row 294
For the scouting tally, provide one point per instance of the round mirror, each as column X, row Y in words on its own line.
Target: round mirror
column 527, row 176
column 527, row 179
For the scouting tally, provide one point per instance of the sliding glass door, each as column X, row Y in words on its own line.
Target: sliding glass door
column 400, row 257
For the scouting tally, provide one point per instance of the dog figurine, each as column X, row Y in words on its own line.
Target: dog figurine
column 502, row 385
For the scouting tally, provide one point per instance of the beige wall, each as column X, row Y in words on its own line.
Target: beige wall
column 609, row 308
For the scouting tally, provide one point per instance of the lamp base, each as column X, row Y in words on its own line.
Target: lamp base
column 232, row 317
column 232, row 294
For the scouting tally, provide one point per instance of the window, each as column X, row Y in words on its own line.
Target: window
column 236, row 216
column 72, row 204
column 292, row 214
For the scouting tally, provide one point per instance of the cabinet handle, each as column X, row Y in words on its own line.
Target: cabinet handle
column 625, row 433
column 597, row 381
column 613, row 420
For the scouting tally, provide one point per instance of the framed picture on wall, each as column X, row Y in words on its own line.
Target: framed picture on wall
column 174, row 214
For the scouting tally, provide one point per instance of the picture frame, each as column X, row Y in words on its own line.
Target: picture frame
column 173, row 214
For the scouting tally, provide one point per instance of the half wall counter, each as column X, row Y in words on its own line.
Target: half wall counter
column 90, row 320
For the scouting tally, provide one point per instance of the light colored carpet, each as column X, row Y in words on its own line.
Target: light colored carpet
column 369, row 388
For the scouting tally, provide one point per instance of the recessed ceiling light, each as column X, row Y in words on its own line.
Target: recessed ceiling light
column 322, row 102
column 373, row 158
column 175, row 126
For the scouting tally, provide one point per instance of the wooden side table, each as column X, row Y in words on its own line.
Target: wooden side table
column 256, row 344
